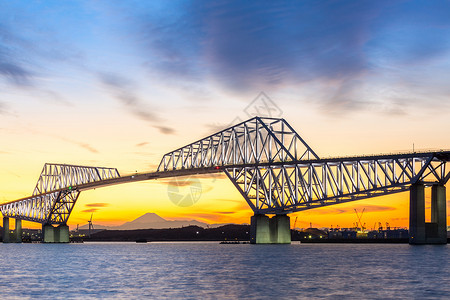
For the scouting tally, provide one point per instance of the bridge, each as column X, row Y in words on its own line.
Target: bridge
column 272, row 167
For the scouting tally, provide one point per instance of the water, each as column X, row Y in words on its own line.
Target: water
column 214, row 271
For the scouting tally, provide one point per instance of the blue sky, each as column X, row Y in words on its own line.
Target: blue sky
column 241, row 47
column 120, row 83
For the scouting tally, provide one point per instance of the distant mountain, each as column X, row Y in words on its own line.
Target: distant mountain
column 149, row 221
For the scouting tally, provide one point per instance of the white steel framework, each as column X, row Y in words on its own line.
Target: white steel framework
column 300, row 185
column 55, row 194
column 269, row 163
column 251, row 142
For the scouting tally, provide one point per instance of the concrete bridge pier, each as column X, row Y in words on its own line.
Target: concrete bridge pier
column 18, row 231
column 265, row 230
column 16, row 236
column 5, row 233
column 438, row 214
column 62, row 234
column 421, row 232
column 59, row 234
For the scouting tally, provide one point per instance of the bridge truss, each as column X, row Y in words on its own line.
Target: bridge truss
column 276, row 171
column 272, row 167
column 295, row 186
column 251, row 142
column 55, row 193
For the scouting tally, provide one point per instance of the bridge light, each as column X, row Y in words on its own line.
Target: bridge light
column 70, row 187
column 217, row 167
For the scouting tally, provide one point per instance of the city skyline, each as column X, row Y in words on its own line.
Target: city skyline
column 121, row 84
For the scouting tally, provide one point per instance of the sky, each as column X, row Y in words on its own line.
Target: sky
column 120, row 83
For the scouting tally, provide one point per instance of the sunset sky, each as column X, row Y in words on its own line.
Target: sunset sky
column 120, row 83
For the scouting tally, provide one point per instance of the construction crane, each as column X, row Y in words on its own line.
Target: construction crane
column 295, row 222
column 359, row 218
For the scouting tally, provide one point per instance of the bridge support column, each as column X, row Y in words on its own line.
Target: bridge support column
column 275, row 230
column 18, row 232
column 5, row 233
column 259, row 229
column 280, row 226
column 434, row 232
column 417, row 214
column 52, row 234
column 62, row 234
column 48, row 233
column 439, row 214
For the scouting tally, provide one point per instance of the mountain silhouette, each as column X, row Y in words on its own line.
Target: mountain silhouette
column 149, row 221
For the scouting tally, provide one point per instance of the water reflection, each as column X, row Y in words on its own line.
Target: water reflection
column 199, row 270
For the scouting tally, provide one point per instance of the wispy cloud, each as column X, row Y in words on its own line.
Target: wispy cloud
column 124, row 91
column 3, row 108
column 181, row 182
column 83, row 145
column 102, row 204
column 359, row 208
column 22, row 58
column 94, row 207
column 91, row 210
column 165, row 129
column 11, row 68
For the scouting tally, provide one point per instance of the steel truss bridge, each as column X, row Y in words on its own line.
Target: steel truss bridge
column 272, row 167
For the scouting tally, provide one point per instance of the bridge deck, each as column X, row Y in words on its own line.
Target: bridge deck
column 441, row 155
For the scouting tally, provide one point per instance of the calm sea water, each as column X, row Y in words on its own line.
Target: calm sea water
column 214, row 271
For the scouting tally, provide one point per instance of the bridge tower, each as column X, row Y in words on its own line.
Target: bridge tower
column 252, row 154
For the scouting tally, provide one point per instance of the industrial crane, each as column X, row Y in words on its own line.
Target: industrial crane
column 359, row 218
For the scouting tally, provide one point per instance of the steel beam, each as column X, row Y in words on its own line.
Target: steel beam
column 272, row 167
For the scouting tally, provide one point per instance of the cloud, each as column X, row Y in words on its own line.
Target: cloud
column 94, row 207
column 11, row 68
column 124, row 91
column 24, row 59
column 207, row 216
column 87, row 147
column 80, row 144
column 14, row 73
column 182, row 182
column 97, row 204
column 92, row 210
column 164, row 129
column 359, row 208
column 400, row 219
column 142, row 144
column 341, row 47
column 251, row 43
column 3, row 108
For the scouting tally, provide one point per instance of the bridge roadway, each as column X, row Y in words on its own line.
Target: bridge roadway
column 272, row 167
column 121, row 180
column 443, row 155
